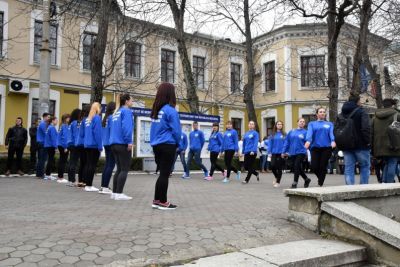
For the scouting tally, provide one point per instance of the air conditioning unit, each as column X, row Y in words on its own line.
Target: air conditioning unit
column 19, row 86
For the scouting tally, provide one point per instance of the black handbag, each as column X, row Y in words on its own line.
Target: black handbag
column 394, row 134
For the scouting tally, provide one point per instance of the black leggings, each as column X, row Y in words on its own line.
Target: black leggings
column 165, row 156
column 82, row 163
column 92, row 157
column 62, row 161
column 319, row 162
column 73, row 163
column 277, row 163
column 122, row 158
column 50, row 161
column 228, row 162
column 249, row 165
column 298, row 167
column 214, row 164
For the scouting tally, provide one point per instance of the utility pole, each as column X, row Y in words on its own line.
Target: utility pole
column 45, row 57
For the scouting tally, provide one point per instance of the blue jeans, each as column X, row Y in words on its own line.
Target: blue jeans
column 181, row 154
column 389, row 171
column 263, row 162
column 362, row 156
column 42, row 158
column 108, row 167
column 196, row 155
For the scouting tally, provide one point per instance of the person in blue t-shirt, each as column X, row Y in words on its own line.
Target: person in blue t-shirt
column 230, row 147
column 93, row 145
column 275, row 151
column 181, row 151
column 250, row 147
column 80, row 147
column 294, row 147
column 216, row 141
column 196, row 143
column 121, row 141
column 110, row 160
column 321, row 141
column 63, row 135
column 50, row 144
column 42, row 152
column 165, row 136
column 73, row 149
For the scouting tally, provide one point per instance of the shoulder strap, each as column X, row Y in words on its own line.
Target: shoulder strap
column 353, row 112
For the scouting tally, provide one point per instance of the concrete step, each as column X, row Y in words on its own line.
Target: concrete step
column 305, row 253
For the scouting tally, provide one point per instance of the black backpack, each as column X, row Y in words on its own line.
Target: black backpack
column 345, row 132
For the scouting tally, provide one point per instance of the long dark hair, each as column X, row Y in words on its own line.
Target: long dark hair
column 215, row 125
column 64, row 117
column 165, row 95
column 75, row 115
column 275, row 129
column 109, row 110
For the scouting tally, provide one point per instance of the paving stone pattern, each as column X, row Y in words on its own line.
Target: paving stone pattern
column 44, row 223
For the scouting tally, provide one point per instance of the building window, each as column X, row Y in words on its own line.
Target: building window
column 198, row 71
column 133, row 52
column 1, row 33
column 35, row 109
column 269, row 69
column 269, row 125
column 312, row 71
column 87, row 45
column 308, row 118
column 236, row 78
column 237, row 125
column 38, row 42
column 349, row 72
column 167, row 66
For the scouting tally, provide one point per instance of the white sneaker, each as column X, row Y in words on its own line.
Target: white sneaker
column 91, row 189
column 112, row 196
column 62, row 181
column 121, row 197
column 277, row 185
column 105, row 190
column 52, row 178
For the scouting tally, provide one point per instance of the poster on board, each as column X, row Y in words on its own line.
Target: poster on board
column 144, row 148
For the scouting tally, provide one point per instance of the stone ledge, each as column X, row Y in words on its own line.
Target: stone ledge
column 366, row 220
column 346, row 192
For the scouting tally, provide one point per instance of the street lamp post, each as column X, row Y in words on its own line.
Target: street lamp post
column 45, row 53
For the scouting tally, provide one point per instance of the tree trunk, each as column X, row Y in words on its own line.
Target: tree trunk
column 249, row 88
column 99, row 50
column 333, row 34
column 178, row 15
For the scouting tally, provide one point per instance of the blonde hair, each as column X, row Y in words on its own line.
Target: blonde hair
column 94, row 109
column 117, row 103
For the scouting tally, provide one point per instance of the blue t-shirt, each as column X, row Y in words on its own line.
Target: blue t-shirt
column 215, row 142
column 320, row 134
column 276, row 143
column 294, row 143
column 250, row 142
column 231, row 140
column 166, row 129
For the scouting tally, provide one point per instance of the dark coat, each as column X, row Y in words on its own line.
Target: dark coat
column 32, row 135
column 361, row 123
column 380, row 141
column 16, row 137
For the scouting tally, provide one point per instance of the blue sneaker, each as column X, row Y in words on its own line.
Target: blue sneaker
column 185, row 176
column 238, row 175
column 226, row 180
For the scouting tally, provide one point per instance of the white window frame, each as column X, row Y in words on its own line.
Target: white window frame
column 307, row 51
column 4, row 9
column 201, row 52
column 174, row 48
column 268, row 113
column 240, row 115
column 91, row 28
column 38, row 15
column 264, row 60
column 142, row 58
column 240, row 61
column 85, row 99
column 3, row 96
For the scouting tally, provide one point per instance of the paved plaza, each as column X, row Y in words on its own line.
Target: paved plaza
column 44, row 223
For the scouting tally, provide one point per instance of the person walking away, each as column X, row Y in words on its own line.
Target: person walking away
column 359, row 139
column 230, row 147
column 276, row 142
column 42, row 152
column 240, row 154
column 80, row 146
column 320, row 140
column 250, row 146
column 16, row 140
column 93, row 145
column 215, row 147
column 165, row 134
column 383, row 147
column 181, row 151
column 264, row 155
column 73, row 129
column 63, row 147
column 121, row 141
column 196, row 140
column 110, row 160
column 33, row 146
column 294, row 146
column 50, row 144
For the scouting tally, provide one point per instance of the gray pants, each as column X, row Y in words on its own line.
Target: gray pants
column 123, row 160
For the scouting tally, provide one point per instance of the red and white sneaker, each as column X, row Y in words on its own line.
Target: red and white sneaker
column 166, row 206
column 209, row 178
column 155, row 204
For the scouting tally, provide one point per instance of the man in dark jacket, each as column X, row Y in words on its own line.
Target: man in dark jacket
column 16, row 140
column 33, row 148
column 361, row 152
column 382, row 147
